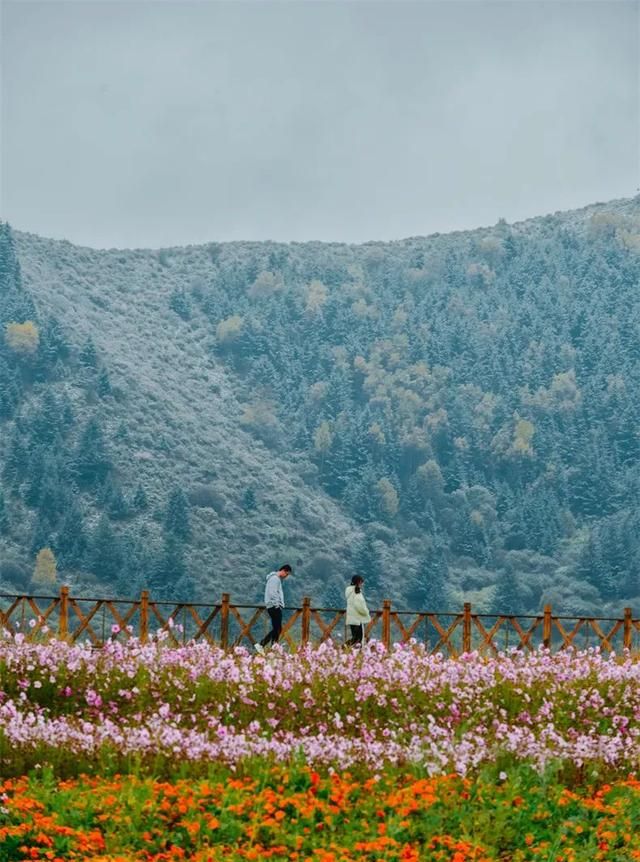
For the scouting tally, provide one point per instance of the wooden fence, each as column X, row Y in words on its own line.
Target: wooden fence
column 227, row 624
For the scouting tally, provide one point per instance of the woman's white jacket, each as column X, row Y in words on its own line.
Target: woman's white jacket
column 357, row 610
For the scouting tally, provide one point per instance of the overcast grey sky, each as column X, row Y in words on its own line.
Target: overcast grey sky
column 166, row 123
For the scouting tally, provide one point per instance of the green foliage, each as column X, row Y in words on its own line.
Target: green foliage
column 15, row 304
column 366, row 562
column 92, row 462
column 4, row 515
column 70, row 543
column 176, row 522
column 140, row 501
column 179, row 303
column 428, row 589
column 106, row 556
column 169, row 579
column 507, row 597
column 103, row 386
column 88, row 355
column 249, row 503
column 113, row 501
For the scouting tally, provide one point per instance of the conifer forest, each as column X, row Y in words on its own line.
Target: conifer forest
column 456, row 417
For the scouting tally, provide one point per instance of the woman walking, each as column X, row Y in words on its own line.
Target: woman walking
column 357, row 611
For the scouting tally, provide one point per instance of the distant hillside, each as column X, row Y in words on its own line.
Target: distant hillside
column 455, row 416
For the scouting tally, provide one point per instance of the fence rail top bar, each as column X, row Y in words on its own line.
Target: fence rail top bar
column 227, row 624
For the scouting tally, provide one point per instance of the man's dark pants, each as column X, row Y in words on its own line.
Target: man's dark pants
column 276, row 626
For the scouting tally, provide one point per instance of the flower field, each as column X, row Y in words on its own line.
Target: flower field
column 83, row 709
column 299, row 814
column 146, row 752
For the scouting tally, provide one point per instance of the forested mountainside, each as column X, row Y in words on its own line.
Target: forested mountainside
column 456, row 416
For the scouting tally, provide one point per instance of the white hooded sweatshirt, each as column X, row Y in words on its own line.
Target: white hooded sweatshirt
column 357, row 610
column 273, row 595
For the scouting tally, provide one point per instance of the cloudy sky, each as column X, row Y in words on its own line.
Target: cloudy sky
column 158, row 122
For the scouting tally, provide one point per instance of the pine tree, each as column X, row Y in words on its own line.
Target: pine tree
column 177, row 516
column 8, row 259
column 4, row 515
column 89, row 355
column 53, row 343
column 333, row 596
column 35, row 476
column 507, row 598
column 185, row 589
column 179, row 303
column 41, row 535
column 140, row 501
column 249, row 500
column 117, row 507
column 122, row 432
column 16, row 304
column 103, row 386
column 106, row 553
column 71, row 543
column 10, row 390
column 366, row 562
column 297, row 512
column 53, row 496
column 67, row 417
column 140, row 564
column 428, row 590
column 17, row 459
column 171, row 569
column 92, row 462
column 112, row 500
column 46, row 424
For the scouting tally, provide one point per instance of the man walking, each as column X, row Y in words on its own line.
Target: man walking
column 274, row 601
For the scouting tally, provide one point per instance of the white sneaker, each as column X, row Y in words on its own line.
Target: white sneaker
column 259, row 649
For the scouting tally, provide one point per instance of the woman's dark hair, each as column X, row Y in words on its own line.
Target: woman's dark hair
column 285, row 568
column 356, row 580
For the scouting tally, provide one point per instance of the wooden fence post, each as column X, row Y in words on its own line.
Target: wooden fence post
column 466, row 628
column 386, row 623
column 63, row 621
column 144, row 616
column 224, row 621
column 546, row 627
column 306, row 620
column 628, row 628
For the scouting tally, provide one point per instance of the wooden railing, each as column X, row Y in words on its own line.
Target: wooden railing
column 98, row 620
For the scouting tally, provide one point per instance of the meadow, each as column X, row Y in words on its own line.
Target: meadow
column 149, row 752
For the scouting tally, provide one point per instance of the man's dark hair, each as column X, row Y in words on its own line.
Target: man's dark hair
column 285, row 568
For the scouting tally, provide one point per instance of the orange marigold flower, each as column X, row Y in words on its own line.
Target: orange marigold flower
column 42, row 838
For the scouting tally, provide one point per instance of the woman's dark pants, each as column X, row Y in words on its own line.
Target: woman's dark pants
column 357, row 633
